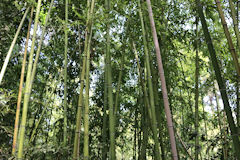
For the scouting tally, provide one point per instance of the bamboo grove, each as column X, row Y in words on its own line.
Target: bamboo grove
column 102, row 79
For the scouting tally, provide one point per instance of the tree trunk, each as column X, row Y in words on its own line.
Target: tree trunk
column 220, row 80
column 163, row 84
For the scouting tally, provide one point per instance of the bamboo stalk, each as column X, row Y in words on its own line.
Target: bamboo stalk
column 205, row 123
column 163, row 84
column 197, row 147
column 220, row 80
column 40, row 43
column 117, row 106
column 15, row 135
column 109, row 87
column 12, row 46
column 28, row 83
column 42, row 113
column 80, row 99
column 39, row 47
column 86, row 109
column 79, row 118
column 235, row 22
column 149, row 103
column 65, row 74
column 159, row 118
column 223, row 135
column 146, row 104
column 150, row 85
column 184, row 146
column 105, row 105
column 229, row 38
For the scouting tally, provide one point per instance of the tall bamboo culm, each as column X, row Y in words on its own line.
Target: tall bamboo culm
column 33, row 69
column 28, row 87
column 220, row 80
column 86, row 108
column 235, row 22
column 150, row 86
column 65, row 74
column 4, row 67
column 15, row 135
column 163, row 84
column 80, row 98
column 222, row 132
column 229, row 38
column 40, row 43
column 197, row 147
column 109, row 88
column 105, row 116
column 146, row 105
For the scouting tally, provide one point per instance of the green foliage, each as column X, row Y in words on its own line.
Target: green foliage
column 176, row 31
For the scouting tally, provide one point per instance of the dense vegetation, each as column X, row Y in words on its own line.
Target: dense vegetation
column 101, row 79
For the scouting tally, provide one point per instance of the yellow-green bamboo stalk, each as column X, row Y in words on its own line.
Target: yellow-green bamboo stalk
column 229, row 38
column 12, row 46
column 28, row 83
column 223, row 135
column 15, row 135
column 86, row 108
column 80, row 99
column 150, row 86
column 116, row 105
column 109, row 87
column 105, row 116
column 65, row 74
column 40, row 43
column 39, row 48
column 235, row 22
column 219, row 78
column 80, row 105
column 146, row 103
column 43, row 111
column 158, row 109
